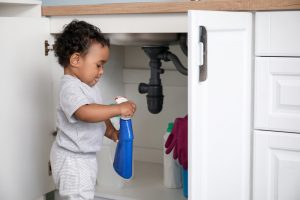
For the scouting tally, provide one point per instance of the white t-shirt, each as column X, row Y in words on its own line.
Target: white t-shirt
column 75, row 135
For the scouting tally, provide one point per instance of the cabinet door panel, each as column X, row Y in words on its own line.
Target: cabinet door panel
column 276, row 166
column 277, row 94
column 220, row 106
column 277, row 33
column 26, row 117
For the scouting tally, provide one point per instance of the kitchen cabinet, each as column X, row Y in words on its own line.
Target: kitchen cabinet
column 277, row 94
column 276, row 110
column 219, row 107
column 218, row 96
column 277, row 33
column 276, row 166
column 27, row 115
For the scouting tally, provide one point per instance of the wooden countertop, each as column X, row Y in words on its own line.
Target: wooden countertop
column 171, row 7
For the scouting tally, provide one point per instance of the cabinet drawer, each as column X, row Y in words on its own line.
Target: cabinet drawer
column 277, row 94
column 277, row 33
column 276, row 166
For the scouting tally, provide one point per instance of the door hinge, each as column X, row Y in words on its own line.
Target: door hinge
column 48, row 47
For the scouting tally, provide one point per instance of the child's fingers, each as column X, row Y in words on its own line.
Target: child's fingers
column 133, row 106
column 115, row 136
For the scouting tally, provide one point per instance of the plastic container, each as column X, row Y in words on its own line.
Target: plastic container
column 185, row 182
column 172, row 171
column 123, row 156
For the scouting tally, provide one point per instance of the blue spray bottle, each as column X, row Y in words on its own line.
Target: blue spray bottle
column 123, row 156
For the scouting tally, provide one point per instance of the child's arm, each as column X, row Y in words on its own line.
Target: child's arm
column 111, row 132
column 99, row 113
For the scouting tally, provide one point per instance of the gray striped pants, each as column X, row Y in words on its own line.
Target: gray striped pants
column 74, row 174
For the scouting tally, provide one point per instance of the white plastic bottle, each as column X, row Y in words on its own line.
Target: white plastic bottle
column 172, row 170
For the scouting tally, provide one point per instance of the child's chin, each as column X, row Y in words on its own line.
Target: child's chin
column 93, row 84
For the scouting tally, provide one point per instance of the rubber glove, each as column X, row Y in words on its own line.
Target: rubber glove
column 171, row 141
column 182, row 142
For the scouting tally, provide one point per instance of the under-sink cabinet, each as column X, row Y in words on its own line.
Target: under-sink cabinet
column 216, row 94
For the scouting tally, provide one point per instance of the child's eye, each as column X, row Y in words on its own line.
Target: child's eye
column 99, row 66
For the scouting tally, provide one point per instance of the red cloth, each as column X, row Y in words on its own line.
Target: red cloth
column 178, row 141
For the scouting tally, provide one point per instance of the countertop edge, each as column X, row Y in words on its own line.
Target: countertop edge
column 138, row 8
column 165, row 7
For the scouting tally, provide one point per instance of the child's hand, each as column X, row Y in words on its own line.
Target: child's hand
column 112, row 134
column 127, row 109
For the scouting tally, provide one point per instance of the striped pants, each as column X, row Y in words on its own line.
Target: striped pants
column 74, row 174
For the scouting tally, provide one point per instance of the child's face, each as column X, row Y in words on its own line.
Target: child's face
column 91, row 66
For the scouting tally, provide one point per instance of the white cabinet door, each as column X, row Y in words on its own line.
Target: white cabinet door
column 26, row 112
column 277, row 94
column 276, row 166
column 220, row 106
column 277, row 33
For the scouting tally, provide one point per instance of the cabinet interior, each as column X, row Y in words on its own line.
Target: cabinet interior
column 132, row 69
column 127, row 67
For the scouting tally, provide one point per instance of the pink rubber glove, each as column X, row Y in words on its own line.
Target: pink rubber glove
column 171, row 141
column 182, row 142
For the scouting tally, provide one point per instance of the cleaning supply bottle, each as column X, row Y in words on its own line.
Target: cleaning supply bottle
column 185, row 182
column 172, row 170
column 123, row 155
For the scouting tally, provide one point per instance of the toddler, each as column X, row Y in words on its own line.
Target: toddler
column 82, row 119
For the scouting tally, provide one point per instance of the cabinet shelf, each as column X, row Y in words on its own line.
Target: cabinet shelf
column 147, row 184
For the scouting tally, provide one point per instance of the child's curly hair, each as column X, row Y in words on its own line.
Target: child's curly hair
column 77, row 37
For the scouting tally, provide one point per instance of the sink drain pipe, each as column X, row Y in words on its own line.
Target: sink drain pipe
column 168, row 56
column 154, row 89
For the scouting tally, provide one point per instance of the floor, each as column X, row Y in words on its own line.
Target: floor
column 96, row 198
column 147, row 184
column 99, row 198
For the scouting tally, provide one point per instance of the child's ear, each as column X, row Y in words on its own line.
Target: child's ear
column 75, row 60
